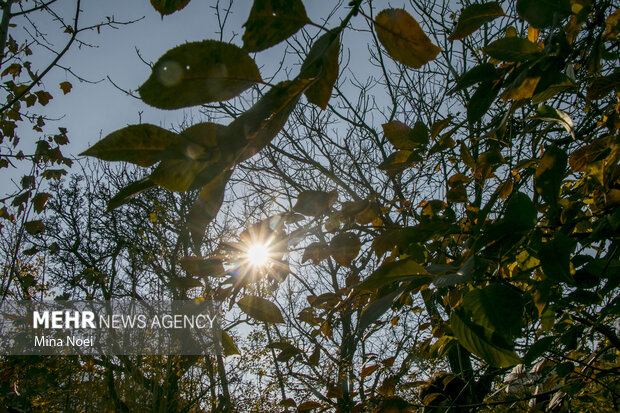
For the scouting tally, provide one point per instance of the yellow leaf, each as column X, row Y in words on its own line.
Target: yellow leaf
column 524, row 91
column 532, row 34
column 404, row 39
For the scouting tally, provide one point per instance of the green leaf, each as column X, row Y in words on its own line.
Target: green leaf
column 481, row 341
column 143, row 145
column 165, row 7
column 344, row 248
column 260, row 309
column 322, row 63
column 555, row 257
column 552, row 114
column 543, row 13
column 228, row 345
column 481, row 101
column 550, row 174
column 512, row 49
column 480, row 73
column 262, row 122
column 207, row 205
column 402, row 270
column 496, row 307
column 403, row 38
column 272, row 21
column 540, row 347
column 197, row 73
column 177, row 175
column 124, row 195
column 520, row 212
column 376, row 309
column 315, row 203
column 474, row 16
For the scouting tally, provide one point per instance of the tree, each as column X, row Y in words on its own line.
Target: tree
column 486, row 217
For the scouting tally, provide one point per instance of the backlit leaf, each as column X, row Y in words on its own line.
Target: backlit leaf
column 477, row 74
column 142, row 144
column 402, row 270
column 197, row 73
column 34, row 227
column 512, row 49
column 403, row 38
column 544, row 13
column 344, row 248
column 207, row 205
column 482, row 341
column 481, row 101
column 260, row 309
column 228, row 345
column 474, row 16
column 65, row 87
column 203, row 267
column 124, row 195
column 315, row 203
column 497, row 307
column 272, row 21
column 322, row 63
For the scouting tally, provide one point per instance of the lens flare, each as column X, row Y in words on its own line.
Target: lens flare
column 258, row 255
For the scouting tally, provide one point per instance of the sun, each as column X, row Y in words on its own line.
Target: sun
column 258, row 255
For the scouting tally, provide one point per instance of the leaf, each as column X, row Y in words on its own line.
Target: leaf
column 540, row 347
column 228, row 345
column 402, row 270
column 520, row 212
column 207, row 205
column 496, row 307
column 256, row 128
column 322, row 64
column 457, row 194
column 260, row 309
column 398, row 161
column 177, row 175
column 477, row 74
column 272, row 21
column 143, row 145
column 368, row 370
column 524, row 90
column 404, row 137
column 512, row 49
column 602, row 86
column 344, row 248
column 165, row 7
column 197, row 73
column 376, row 309
column 203, row 268
column 474, row 16
column 124, row 195
column 43, row 97
column 552, row 114
column 555, row 257
column 481, row 101
column 317, row 252
column 184, row 283
column 40, row 200
column 315, row 203
column 481, row 341
column 543, row 13
column 404, row 39
column 550, row 173
column 65, row 87
column 34, row 227
column 309, row 405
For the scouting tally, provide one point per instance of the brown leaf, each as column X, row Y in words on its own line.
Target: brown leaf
column 66, row 87
column 345, row 247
